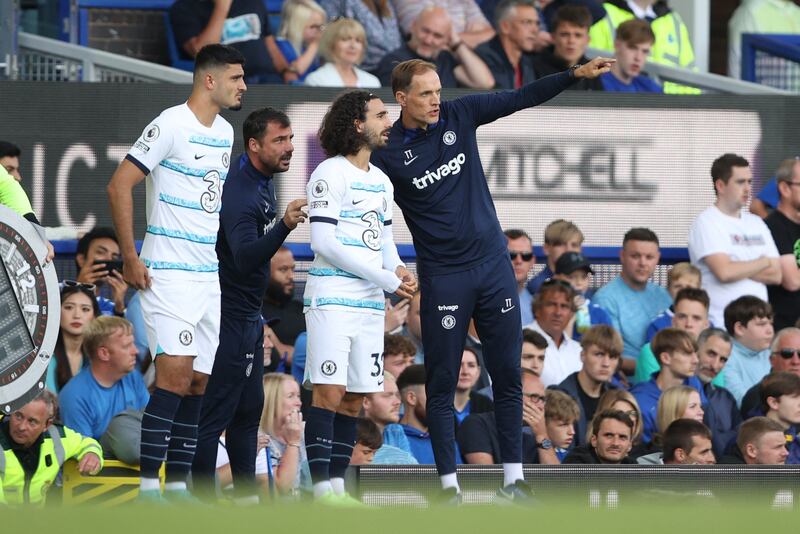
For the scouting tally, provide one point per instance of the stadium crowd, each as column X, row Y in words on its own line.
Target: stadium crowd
column 624, row 373
column 705, row 370
column 481, row 45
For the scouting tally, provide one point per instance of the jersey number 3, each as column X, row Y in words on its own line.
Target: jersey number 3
column 209, row 200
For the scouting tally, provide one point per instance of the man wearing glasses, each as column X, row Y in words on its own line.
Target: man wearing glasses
column 784, row 356
column 784, row 224
column 477, row 435
column 520, row 250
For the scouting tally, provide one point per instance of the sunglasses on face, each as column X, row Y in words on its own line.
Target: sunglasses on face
column 787, row 354
column 73, row 283
column 526, row 256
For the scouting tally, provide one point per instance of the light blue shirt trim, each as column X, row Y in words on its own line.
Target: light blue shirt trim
column 175, row 266
column 352, row 242
column 189, row 171
column 182, row 203
column 351, row 303
column 179, row 234
column 373, row 188
column 320, row 271
column 210, row 141
column 357, row 214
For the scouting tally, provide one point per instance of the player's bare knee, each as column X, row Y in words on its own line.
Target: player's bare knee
column 174, row 373
column 351, row 404
column 198, row 383
column 327, row 396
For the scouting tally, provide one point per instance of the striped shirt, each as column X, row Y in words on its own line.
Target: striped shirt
column 187, row 164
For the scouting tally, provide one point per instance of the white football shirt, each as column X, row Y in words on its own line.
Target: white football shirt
column 359, row 203
column 187, row 164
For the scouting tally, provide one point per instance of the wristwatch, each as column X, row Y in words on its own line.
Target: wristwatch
column 572, row 70
column 546, row 444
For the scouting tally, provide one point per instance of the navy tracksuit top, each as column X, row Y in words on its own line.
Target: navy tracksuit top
column 249, row 235
column 439, row 181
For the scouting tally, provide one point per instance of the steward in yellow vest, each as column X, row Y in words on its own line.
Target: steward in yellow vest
column 33, row 449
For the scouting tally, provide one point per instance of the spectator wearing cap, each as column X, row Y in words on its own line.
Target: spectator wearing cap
column 553, row 309
column 575, row 269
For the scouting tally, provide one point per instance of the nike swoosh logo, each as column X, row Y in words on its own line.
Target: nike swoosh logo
column 506, row 310
column 359, row 201
column 380, row 383
column 407, row 163
column 198, row 157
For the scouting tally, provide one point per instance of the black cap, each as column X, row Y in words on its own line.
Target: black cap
column 569, row 262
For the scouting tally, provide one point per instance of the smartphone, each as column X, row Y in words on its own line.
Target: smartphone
column 111, row 265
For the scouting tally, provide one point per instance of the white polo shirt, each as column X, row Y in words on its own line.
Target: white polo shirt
column 559, row 362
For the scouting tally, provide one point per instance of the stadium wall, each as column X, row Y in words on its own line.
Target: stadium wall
column 606, row 161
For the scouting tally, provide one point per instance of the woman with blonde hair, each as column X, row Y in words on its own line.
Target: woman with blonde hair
column 379, row 21
column 678, row 402
column 343, row 46
column 302, row 24
column 282, row 422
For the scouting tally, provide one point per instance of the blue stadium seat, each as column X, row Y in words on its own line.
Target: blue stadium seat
column 175, row 58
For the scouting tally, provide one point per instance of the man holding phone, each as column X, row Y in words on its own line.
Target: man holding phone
column 99, row 264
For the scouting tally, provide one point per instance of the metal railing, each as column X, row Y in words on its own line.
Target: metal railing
column 707, row 82
column 772, row 60
column 42, row 59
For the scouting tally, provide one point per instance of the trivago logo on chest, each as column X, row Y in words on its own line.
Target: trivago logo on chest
column 451, row 167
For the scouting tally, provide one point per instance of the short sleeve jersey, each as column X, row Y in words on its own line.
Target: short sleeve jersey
column 187, row 164
column 359, row 203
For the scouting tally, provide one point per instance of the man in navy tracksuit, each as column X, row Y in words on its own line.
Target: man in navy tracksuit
column 462, row 261
column 249, row 235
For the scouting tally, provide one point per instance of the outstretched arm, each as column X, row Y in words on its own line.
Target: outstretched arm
column 488, row 107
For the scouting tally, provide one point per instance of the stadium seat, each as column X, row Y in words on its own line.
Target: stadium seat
column 117, row 483
column 175, row 58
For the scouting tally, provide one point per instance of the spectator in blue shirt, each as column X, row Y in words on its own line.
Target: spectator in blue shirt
column 682, row 275
column 107, row 398
column 560, row 236
column 631, row 299
column 574, row 269
column 302, row 22
column 749, row 320
column 631, row 48
column 676, row 351
column 520, row 249
column 690, row 314
column 780, row 401
column 383, row 409
column 411, row 385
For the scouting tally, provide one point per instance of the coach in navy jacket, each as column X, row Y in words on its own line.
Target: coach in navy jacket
column 433, row 162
